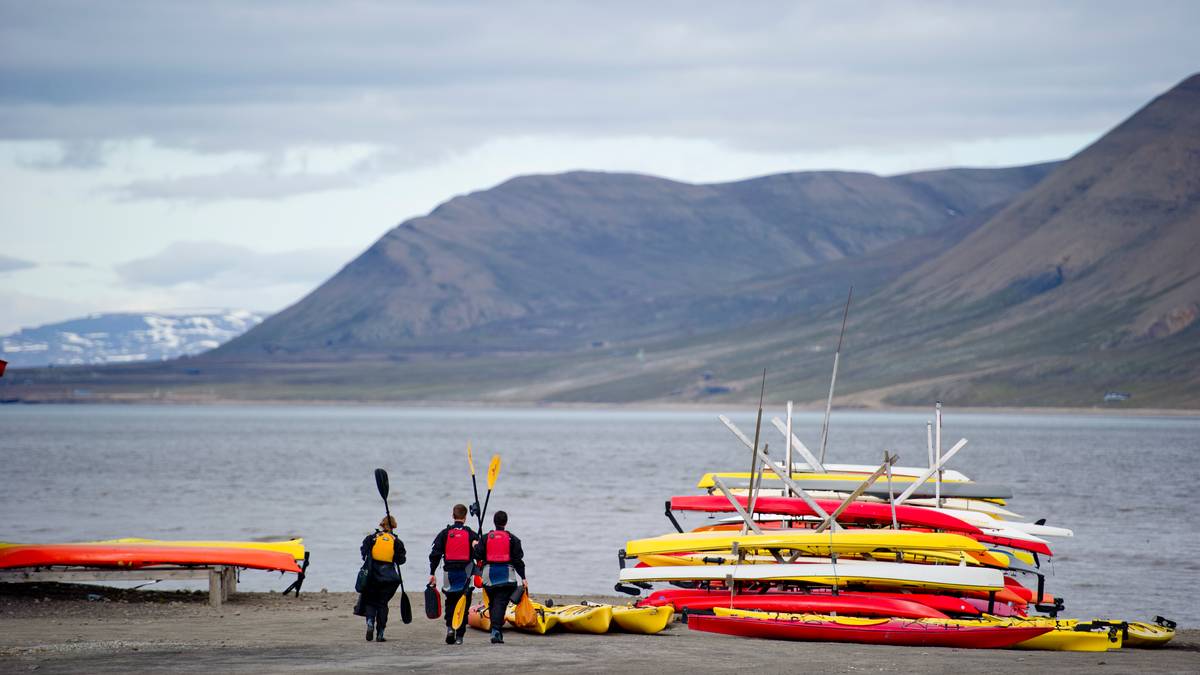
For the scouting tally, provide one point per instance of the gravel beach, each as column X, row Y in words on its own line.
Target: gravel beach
column 57, row 628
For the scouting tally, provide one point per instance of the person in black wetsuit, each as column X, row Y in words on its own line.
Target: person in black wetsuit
column 385, row 551
column 503, row 561
column 453, row 545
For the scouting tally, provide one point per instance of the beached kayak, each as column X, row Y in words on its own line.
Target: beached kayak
column 293, row 547
column 593, row 619
column 820, row 628
column 874, row 513
column 642, row 620
column 889, row 574
column 1143, row 635
column 141, row 555
column 584, row 618
column 848, row 482
column 809, row 542
column 850, row 604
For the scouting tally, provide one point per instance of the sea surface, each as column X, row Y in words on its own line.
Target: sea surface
column 576, row 483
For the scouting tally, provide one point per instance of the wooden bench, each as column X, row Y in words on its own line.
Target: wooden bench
column 222, row 580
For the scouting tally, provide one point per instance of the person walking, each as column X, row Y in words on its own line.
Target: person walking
column 385, row 552
column 503, row 562
column 452, row 547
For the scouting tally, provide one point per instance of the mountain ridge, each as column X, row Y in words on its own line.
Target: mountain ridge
column 564, row 245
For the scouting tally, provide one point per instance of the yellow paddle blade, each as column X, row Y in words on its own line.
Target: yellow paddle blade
column 470, row 461
column 493, row 471
column 460, row 611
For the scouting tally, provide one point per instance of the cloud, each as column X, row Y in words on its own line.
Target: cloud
column 426, row 79
column 218, row 265
column 10, row 264
column 239, row 184
column 74, row 155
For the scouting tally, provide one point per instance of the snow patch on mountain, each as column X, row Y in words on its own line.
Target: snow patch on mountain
column 125, row 337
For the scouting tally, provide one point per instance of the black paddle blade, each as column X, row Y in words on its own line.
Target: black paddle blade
column 381, row 482
column 405, row 609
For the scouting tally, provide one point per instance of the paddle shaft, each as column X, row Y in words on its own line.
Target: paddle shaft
column 833, row 380
column 475, row 487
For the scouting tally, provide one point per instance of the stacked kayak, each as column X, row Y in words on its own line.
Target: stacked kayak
column 837, row 552
column 879, row 631
column 140, row 553
column 589, row 618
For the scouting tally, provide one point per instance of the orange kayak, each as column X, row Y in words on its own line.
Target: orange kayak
column 140, row 555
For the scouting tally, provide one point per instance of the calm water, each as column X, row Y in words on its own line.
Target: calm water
column 576, row 484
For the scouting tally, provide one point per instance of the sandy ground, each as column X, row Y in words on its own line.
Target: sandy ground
column 50, row 628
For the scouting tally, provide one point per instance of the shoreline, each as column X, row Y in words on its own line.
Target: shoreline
column 58, row 628
column 649, row 406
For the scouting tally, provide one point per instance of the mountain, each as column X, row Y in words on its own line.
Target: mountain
column 1117, row 224
column 124, row 338
column 560, row 262
column 1038, row 286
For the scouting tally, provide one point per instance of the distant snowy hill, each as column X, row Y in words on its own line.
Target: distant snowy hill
column 125, row 338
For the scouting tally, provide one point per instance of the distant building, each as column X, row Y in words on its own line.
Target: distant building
column 1115, row 396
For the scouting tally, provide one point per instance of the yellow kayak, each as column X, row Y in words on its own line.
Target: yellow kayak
column 810, row 543
column 642, row 620
column 594, row 619
column 989, row 559
column 1063, row 634
column 294, row 547
column 1144, row 635
column 706, row 481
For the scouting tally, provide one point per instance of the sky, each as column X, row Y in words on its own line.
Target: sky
column 172, row 155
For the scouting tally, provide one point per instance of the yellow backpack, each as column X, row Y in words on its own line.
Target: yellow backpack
column 384, row 548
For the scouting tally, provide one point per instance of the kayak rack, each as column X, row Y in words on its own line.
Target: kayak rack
column 222, row 579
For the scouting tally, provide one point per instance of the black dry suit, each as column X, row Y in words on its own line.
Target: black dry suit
column 384, row 577
column 454, row 544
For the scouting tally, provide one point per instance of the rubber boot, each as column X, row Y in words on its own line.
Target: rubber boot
column 379, row 635
column 449, row 636
column 370, row 630
column 497, row 637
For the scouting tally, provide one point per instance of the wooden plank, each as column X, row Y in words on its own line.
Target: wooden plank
column 809, row 458
column 924, row 477
column 831, row 519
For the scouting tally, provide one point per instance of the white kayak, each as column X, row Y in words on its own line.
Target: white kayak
column 866, row 470
column 958, row 577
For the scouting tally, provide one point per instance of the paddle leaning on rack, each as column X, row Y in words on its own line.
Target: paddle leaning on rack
column 381, row 482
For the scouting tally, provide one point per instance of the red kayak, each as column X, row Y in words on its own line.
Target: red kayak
column 905, row 632
column 851, row 604
column 857, row 512
column 141, row 555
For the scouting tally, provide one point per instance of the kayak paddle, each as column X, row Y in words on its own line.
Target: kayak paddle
column 475, row 486
column 460, row 611
column 381, row 482
column 493, row 474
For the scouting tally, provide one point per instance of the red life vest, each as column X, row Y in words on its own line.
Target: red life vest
column 458, row 544
column 498, row 542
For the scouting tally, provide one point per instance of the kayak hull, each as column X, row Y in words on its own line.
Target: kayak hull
column 857, row 512
column 642, row 620
column 852, row 604
column 881, row 632
column 133, row 556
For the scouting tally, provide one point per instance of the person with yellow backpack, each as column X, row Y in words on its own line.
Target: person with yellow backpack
column 382, row 553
